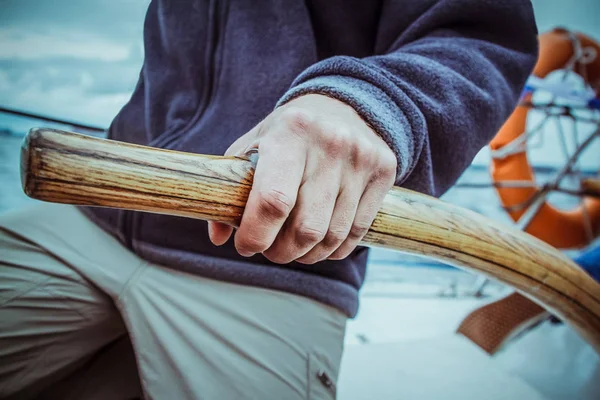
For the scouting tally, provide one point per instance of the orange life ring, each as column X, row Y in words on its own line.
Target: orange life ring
column 559, row 228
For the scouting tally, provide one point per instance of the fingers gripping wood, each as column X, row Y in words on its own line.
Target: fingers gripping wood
column 70, row 168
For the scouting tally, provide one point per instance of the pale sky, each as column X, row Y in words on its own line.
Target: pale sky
column 80, row 59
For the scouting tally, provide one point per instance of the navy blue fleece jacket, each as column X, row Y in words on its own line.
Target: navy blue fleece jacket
column 434, row 78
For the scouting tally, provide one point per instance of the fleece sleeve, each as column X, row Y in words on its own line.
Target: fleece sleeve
column 445, row 76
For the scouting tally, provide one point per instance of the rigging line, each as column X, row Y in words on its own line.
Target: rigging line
column 563, row 140
column 517, row 145
column 26, row 114
column 538, row 199
column 522, row 185
column 567, row 168
column 587, row 222
column 543, row 106
column 523, row 222
column 503, row 184
column 566, row 111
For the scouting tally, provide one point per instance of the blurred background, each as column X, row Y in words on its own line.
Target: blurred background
column 78, row 61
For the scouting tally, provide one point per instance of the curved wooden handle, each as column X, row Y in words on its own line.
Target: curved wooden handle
column 591, row 185
column 71, row 168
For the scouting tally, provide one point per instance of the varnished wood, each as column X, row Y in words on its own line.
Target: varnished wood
column 591, row 185
column 75, row 169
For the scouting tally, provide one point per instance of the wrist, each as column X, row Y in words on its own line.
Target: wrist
column 372, row 105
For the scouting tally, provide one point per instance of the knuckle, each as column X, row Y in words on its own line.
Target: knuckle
column 341, row 253
column 386, row 175
column 358, row 230
column 275, row 204
column 337, row 140
column 388, row 163
column 309, row 260
column 363, row 154
column 385, row 172
column 307, row 234
column 297, row 119
column 334, row 238
column 276, row 258
column 251, row 244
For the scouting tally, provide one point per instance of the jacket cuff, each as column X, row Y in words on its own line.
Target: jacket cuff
column 373, row 105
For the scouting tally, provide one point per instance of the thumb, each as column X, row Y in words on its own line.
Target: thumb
column 218, row 232
column 243, row 143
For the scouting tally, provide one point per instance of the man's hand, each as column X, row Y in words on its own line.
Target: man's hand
column 321, row 176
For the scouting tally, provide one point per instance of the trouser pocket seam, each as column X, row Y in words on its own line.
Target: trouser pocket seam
column 123, row 293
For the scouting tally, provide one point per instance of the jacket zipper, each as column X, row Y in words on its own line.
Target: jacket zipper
column 130, row 221
column 217, row 19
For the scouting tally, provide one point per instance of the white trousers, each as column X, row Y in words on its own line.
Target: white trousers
column 81, row 317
